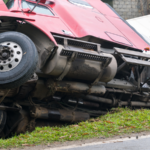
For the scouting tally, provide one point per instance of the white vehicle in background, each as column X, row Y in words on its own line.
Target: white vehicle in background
column 141, row 25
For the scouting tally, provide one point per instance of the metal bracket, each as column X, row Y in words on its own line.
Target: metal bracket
column 103, row 66
column 1, row 48
column 6, row 93
column 68, row 66
column 65, row 42
column 145, row 81
column 99, row 48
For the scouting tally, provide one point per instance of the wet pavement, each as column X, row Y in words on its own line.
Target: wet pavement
column 138, row 144
column 124, row 144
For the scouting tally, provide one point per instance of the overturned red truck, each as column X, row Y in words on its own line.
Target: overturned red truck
column 67, row 60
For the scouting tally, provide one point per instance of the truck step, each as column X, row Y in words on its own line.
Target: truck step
column 136, row 61
column 77, row 43
column 132, row 53
column 133, row 57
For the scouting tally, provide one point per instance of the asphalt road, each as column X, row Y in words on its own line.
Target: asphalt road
column 139, row 144
column 133, row 143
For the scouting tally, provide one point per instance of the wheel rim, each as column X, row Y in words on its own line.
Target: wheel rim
column 10, row 56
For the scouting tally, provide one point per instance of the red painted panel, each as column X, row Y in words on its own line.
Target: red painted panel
column 3, row 6
column 80, row 21
column 85, row 21
column 102, row 7
column 119, row 39
column 129, row 33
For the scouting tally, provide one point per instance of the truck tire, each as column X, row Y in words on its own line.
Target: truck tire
column 18, row 59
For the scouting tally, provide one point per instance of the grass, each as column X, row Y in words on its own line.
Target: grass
column 121, row 121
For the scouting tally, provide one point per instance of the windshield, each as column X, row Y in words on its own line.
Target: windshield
column 9, row 3
column 39, row 9
column 80, row 3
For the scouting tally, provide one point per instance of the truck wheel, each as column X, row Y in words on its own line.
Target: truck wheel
column 18, row 59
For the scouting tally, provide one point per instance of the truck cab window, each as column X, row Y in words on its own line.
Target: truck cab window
column 39, row 9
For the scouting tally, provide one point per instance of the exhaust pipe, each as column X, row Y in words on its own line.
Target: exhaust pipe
column 140, row 104
column 97, row 99
column 60, row 114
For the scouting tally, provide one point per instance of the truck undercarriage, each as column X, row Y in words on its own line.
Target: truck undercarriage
column 73, row 81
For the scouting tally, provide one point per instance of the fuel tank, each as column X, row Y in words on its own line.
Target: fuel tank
column 81, row 65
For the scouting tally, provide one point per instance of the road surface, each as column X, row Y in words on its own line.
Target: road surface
column 134, row 143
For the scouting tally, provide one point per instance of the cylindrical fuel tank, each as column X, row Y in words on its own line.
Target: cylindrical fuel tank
column 84, row 69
